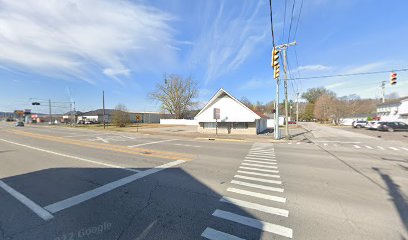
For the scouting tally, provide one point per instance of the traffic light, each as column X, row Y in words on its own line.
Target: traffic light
column 393, row 79
column 35, row 103
column 275, row 63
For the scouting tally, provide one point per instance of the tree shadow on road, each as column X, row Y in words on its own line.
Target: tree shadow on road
column 170, row 204
column 399, row 199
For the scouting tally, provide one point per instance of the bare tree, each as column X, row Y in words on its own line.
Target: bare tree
column 176, row 95
column 120, row 117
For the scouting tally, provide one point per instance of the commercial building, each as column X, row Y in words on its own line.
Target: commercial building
column 234, row 116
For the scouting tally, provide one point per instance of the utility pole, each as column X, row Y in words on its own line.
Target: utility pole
column 383, row 90
column 276, row 130
column 49, row 108
column 283, row 48
column 297, row 107
column 103, row 106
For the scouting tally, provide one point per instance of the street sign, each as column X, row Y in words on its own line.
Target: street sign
column 216, row 113
column 138, row 118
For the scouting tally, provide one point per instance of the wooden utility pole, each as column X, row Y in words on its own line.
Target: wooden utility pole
column 283, row 48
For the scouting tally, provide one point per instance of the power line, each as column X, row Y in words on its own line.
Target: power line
column 270, row 13
column 352, row 74
column 284, row 23
column 291, row 19
column 298, row 20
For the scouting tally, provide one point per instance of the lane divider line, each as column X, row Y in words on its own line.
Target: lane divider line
column 75, row 200
column 41, row 212
column 149, row 143
column 70, row 156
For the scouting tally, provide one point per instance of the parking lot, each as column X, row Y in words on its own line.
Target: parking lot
column 393, row 136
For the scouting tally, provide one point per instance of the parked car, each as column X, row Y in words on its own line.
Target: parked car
column 292, row 122
column 392, row 126
column 19, row 124
column 372, row 125
column 359, row 124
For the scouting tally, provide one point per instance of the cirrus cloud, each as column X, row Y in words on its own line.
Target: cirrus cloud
column 84, row 39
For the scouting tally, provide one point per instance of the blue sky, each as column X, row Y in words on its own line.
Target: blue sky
column 72, row 50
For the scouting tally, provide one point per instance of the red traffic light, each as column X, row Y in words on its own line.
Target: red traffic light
column 393, row 79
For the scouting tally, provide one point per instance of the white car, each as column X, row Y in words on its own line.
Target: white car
column 372, row 125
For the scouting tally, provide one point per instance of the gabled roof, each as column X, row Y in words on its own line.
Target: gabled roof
column 222, row 91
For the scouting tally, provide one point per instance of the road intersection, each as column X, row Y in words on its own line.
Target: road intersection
column 60, row 182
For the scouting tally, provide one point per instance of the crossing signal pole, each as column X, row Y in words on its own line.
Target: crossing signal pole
column 283, row 48
column 275, row 65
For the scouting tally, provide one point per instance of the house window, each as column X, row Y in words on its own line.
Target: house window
column 240, row 125
column 209, row 125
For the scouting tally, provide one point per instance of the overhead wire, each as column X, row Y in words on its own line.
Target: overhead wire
column 352, row 74
column 291, row 19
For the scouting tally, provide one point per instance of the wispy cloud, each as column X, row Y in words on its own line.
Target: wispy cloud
column 226, row 42
column 313, row 68
column 256, row 83
column 84, row 39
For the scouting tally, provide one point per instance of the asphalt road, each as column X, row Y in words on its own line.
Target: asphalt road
column 59, row 183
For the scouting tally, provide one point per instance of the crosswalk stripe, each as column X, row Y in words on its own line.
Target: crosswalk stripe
column 298, row 143
column 393, row 148
column 213, row 234
column 368, row 147
column 259, row 207
column 260, row 169
column 259, row 174
column 258, row 165
column 261, row 159
column 289, row 143
column 406, row 149
column 264, row 226
column 261, row 156
column 258, row 179
column 262, row 151
column 274, row 189
column 380, row 147
column 257, row 195
column 356, row 146
column 264, row 162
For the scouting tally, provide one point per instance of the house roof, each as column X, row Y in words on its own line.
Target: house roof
column 218, row 94
column 392, row 101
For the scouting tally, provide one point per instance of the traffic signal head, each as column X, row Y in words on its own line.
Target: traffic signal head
column 275, row 57
column 393, row 79
column 276, row 72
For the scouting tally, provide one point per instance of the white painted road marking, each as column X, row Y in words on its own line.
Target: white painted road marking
column 368, row 147
column 356, row 146
column 264, row 226
column 381, row 148
column 406, row 149
column 393, row 148
column 41, row 212
column 72, row 201
column 213, row 234
column 143, row 144
column 263, row 158
column 259, row 169
column 186, row 145
column 259, row 165
column 263, row 162
column 259, row 174
column 257, row 195
column 70, row 156
column 257, row 186
column 258, row 179
column 259, row 207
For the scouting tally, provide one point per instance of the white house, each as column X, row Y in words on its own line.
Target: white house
column 394, row 110
column 235, row 117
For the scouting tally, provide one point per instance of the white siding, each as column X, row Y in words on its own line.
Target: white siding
column 230, row 111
